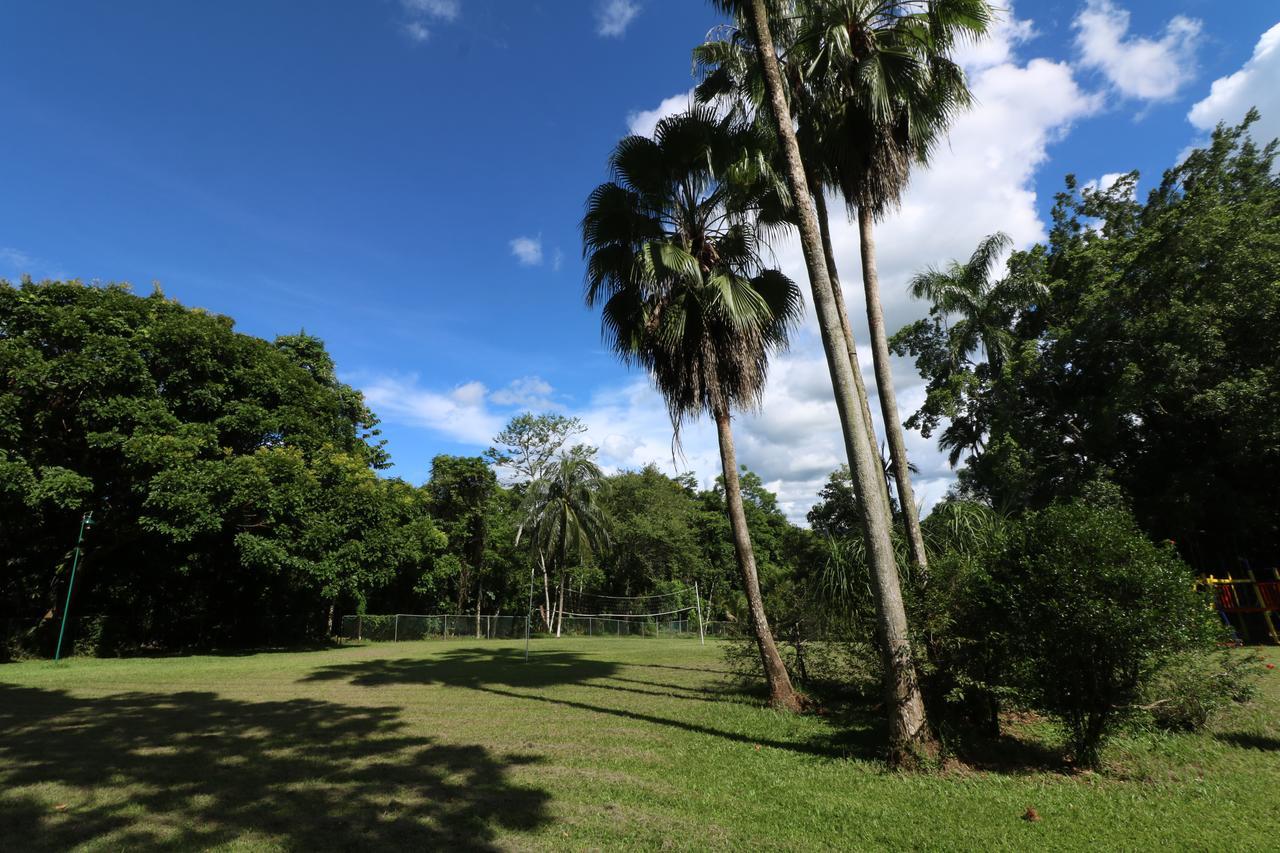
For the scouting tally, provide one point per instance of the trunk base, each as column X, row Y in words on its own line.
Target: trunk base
column 923, row 752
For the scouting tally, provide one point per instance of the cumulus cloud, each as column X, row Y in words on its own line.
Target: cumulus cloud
column 527, row 392
column 1137, row 66
column 461, row 413
column 614, row 16
column 644, row 122
column 528, row 250
column 1256, row 84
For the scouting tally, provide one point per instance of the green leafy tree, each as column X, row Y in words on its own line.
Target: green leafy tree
column 461, row 491
column 1143, row 347
column 653, row 533
column 528, row 444
column 673, row 262
column 232, row 479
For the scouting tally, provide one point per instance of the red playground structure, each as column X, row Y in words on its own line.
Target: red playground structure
column 1251, row 607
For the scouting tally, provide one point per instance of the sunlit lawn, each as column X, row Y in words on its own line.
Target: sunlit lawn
column 596, row 743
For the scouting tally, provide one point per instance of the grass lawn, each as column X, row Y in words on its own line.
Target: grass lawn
column 597, row 743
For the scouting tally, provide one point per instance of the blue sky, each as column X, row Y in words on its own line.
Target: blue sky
column 404, row 179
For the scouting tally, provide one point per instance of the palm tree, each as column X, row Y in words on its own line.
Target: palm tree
column 908, row 725
column 881, row 90
column 562, row 512
column 979, row 314
column 674, row 264
column 984, row 308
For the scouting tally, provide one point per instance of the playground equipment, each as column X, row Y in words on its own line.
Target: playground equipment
column 1248, row 605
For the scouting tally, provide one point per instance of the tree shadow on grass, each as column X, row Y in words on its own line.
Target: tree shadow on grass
column 195, row 770
column 504, row 672
column 1247, row 740
column 471, row 667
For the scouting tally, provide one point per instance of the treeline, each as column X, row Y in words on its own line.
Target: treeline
column 1139, row 346
column 237, row 499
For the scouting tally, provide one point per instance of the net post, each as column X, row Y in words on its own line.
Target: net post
column 528, row 614
column 697, row 597
column 395, row 637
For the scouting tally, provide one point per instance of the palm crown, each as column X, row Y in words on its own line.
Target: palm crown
column 561, row 509
column 674, row 259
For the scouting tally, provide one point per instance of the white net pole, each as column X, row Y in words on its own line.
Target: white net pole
column 702, row 637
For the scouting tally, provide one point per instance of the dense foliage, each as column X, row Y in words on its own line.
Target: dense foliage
column 232, row 480
column 1141, row 345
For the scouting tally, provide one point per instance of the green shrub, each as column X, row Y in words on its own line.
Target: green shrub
column 961, row 625
column 1190, row 689
column 1095, row 610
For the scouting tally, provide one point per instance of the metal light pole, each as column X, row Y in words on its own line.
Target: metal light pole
column 85, row 521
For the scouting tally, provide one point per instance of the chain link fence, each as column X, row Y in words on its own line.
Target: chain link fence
column 395, row 627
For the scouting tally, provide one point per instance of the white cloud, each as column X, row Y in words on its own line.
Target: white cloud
column 528, row 250
column 445, row 10
column 527, row 392
column 18, row 259
column 420, row 12
column 461, row 414
column 644, row 122
column 614, row 16
column 1103, row 183
column 1137, row 66
column 557, row 259
column 1256, row 84
column 998, row 48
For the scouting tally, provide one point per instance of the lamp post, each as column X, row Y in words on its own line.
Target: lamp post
column 85, row 521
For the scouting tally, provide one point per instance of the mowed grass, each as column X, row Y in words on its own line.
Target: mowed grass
column 596, row 743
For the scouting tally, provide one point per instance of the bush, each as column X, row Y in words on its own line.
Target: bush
column 962, row 635
column 1192, row 688
column 1096, row 611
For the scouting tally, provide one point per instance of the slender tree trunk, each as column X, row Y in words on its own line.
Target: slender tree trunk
column 560, row 606
column 479, row 598
column 781, row 694
column 547, row 613
column 888, row 398
column 564, row 562
column 907, row 724
column 833, row 273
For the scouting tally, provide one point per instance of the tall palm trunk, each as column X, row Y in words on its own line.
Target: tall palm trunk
column 837, row 292
column 781, row 694
column 889, row 399
column 907, row 723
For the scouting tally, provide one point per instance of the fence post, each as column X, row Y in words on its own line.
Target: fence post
column 395, row 636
